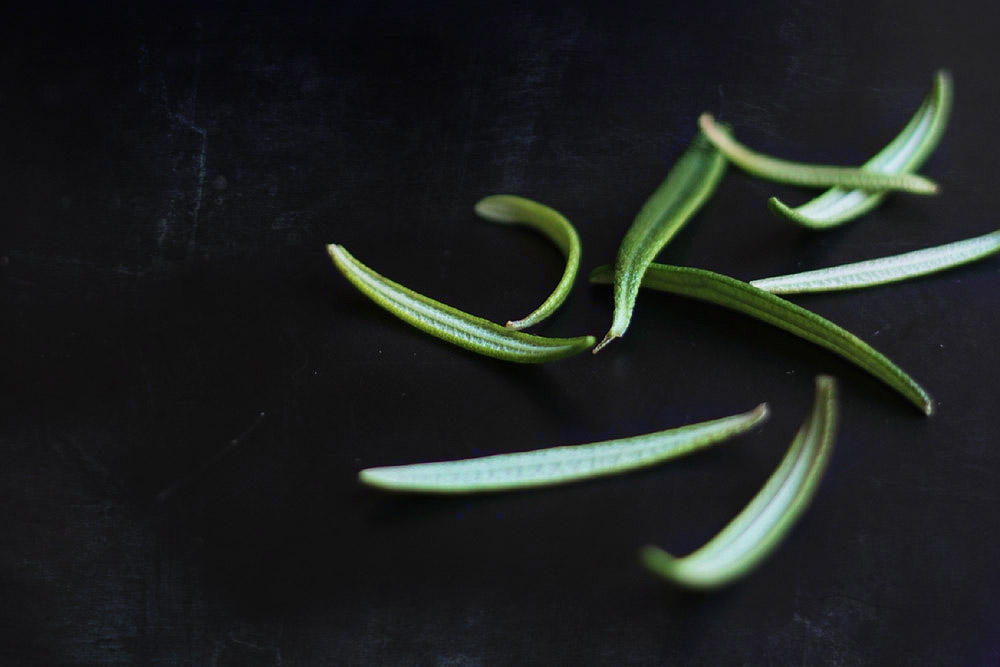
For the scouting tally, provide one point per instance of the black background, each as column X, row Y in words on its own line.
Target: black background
column 170, row 175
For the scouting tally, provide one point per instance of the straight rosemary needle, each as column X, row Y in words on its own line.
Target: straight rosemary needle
column 559, row 465
column 809, row 175
column 742, row 297
column 451, row 324
column 884, row 269
column 765, row 522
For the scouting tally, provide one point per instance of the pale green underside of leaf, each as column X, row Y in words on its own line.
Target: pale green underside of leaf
column 743, row 297
column 690, row 183
column 559, row 465
column 510, row 209
column 905, row 154
column 451, row 324
column 764, row 523
column 808, row 175
column 885, row 269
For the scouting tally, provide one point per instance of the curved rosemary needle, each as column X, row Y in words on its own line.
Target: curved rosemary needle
column 509, row 209
column 451, row 324
column 559, row 465
column 809, row 175
column 742, row 297
column 884, row 269
column 758, row 530
column 688, row 186
column 905, row 154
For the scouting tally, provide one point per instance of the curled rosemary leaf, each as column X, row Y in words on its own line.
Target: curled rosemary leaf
column 451, row 324
column 510, row 209
column 762, row 525
column 559, row 465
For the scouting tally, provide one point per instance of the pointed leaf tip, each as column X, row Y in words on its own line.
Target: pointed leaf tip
column 610, row 336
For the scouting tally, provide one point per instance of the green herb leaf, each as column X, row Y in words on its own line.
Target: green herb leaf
column 809, row 175
column 509, row 209
column 559, row 465
column 742, row 297
column 762, row 525
column 905, row 154
column 688, row 186
column 451, row 324
column 885, row 269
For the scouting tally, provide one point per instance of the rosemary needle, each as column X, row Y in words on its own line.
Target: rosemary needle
column 690, row 183
column 884, row 269
column 559, row 465
column 451, row 324
column 905, row 154
column 762, row 525
column 742, row 297
column 809, row 175
column 510, row 209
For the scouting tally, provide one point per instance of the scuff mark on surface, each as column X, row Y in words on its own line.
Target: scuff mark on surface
column 531, row 92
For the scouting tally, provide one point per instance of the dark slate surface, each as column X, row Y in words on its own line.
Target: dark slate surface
column 170, row 175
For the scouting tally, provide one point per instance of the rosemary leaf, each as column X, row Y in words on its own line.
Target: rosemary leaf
column 559, row 465
column 905, row 154
column 690, row 183
column 510, row 209
column 884, row 269
column 451, row 324
column 809, row 175
column 764, row 523
column 742, row 297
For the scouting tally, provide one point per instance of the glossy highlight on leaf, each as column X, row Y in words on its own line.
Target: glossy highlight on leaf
column 809, row 175
column 743, row 297
column 764, row 523
column 690, row 183
column 905, row 154
column 559, row 465
column 451, row 324
column 510, row 209
column 884, row 269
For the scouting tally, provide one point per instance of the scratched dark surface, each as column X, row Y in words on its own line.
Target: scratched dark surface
column 169, row 179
